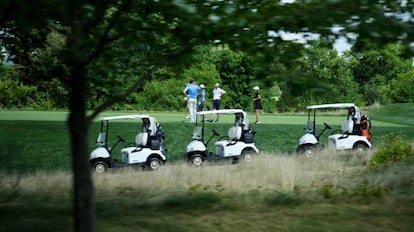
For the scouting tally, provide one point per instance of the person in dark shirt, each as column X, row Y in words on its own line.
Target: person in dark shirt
column 257, row 103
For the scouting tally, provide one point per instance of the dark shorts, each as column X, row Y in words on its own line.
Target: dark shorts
column 216, row 104
column 201, row 106
column 258, row 105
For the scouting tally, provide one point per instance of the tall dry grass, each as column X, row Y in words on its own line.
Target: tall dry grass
column 267, row 173
column 56, row 183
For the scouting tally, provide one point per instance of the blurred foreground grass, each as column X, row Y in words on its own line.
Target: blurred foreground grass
column 276, row 192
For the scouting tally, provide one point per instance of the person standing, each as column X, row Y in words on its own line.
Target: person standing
column 186, row 104
column 202, row 98
column 217, row 94
column 257, row 103
column 191, row 92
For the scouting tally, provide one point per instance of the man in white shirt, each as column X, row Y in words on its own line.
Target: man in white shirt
column 217, row 93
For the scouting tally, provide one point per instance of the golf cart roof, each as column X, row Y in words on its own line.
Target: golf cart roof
column 327, row 106
column 121, row 117
column 228, row 111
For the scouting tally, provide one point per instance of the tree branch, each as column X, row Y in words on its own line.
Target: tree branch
column 145, row 77
column 104, row 39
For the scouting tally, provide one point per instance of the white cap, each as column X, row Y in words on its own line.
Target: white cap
column 217, row 85
column 202, row 86
column 256, row 88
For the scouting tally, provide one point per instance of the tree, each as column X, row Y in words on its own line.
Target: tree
column 375, row 68
column 331, row 78
column 147, row 35
column 236, row 72
column 401, row 88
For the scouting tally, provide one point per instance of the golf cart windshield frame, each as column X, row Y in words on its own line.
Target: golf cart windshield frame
column 311, row 126
column 149, row 124
column 241, row 118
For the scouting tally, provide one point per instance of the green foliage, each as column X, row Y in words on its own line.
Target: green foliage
column 12, row 93
column 319, row 76
column 144, row 32
column 378, row 70
column 330, row 79
column 401, row 88
column 236, row 72
column 270, row 97
column 161, row 96
column 203, row 73
column 375, row 90
column 393, row 148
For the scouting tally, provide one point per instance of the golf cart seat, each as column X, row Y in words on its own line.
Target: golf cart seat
column 197, row 133
column 310, row 126
column 101, row 140
column 141, row 139
column 347, row 126
column 235, row 133
column 153, row 127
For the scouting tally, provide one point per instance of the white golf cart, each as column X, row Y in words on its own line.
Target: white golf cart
column 353, row 135
column 239, row 144
column 148, row 150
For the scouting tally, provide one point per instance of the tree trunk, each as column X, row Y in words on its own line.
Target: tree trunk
column 84, row 204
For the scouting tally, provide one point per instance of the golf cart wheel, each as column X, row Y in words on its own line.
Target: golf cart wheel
column 197, row 160
column 100, row 166
column 360, row 147
column 308, row 151
column 248, row 155
column 153, row 164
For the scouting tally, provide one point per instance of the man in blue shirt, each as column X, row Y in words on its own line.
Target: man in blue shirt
column 191, row 92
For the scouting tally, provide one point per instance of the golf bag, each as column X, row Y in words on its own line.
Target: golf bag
column 365, row 127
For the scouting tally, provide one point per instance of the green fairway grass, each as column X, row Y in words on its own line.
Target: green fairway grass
column 39, row 140
column 34, row 115
column 395, row 113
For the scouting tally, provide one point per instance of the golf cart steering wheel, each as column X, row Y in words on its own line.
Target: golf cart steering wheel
column 327, row 126
column 215, row 133
column 120, row 139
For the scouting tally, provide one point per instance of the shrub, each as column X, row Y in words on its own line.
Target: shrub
column 392, row 149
